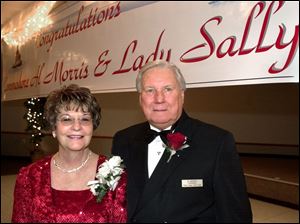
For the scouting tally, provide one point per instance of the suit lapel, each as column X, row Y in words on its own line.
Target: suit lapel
column 138, row 170
column 139, row 161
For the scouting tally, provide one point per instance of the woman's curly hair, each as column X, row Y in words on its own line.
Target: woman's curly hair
column 71, row 98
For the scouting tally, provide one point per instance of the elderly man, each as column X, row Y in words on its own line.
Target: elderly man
column 179, row 169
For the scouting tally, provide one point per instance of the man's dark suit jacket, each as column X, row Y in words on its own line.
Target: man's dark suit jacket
column 211, row 158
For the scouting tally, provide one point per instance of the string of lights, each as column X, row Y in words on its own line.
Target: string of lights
column 35, row 119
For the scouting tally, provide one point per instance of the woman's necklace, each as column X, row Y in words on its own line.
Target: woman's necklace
column 72, row 170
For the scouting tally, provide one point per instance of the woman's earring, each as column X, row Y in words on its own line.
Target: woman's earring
column 54, row 135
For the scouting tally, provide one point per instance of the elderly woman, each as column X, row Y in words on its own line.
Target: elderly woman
column 54, row 189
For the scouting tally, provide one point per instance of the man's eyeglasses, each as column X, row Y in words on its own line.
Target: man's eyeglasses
column 67, row 120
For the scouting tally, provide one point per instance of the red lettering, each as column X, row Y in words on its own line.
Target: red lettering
column 61, row 74
column 280, row 45
column 139, row 61
column 221, row 51
column 121, row 70
column 100, row 62
column 230, row 50
column 261, row 48
column 84, row 21
column 209, row 40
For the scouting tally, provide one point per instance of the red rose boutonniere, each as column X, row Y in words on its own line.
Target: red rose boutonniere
column 176, row 142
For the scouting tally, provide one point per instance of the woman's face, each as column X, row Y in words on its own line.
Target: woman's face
column 74, row 130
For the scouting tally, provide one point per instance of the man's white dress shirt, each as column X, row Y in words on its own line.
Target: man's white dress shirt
column 155, row 151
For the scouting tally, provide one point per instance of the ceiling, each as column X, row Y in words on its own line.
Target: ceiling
column 11, row 8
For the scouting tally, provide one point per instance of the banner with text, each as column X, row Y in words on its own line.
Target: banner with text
column 214, row 43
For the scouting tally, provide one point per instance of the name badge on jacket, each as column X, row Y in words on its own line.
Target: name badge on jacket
column 192, row 183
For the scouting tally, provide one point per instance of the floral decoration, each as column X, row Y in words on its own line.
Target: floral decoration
column 107, row 177
column 176, row 142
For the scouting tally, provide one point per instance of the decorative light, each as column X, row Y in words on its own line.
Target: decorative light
column 36, row 121
column 32, row 27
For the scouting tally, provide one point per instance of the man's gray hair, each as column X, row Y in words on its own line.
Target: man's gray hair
column 160, row 64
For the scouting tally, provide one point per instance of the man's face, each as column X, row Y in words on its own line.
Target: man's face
column 161, row 97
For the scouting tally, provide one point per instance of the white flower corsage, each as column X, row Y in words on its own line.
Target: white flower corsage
column 107, row 177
